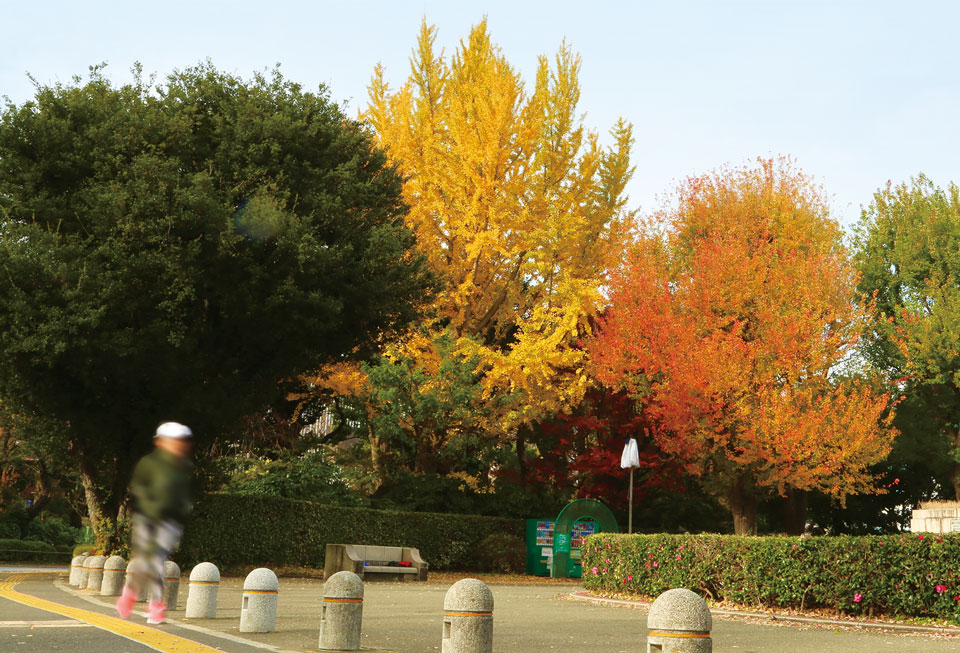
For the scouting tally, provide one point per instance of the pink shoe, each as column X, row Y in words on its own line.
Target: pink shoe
column 155, row 612
column 125, row 602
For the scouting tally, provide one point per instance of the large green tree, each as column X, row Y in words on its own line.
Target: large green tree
column 908, row 251
column 177, row 250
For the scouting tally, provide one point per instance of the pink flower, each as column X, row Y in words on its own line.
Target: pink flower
column 607, row 560
column 629, row 576
column 678, row 556
column 940, row 588
column 857, row 597
column 920, row 537
column 648, row 565
column 683, row 546
column 956, row 597
column 594, row 571
column 655, row 564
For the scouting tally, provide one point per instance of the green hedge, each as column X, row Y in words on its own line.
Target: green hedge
column 33, row 551
column 912, row 575
column 237, row 531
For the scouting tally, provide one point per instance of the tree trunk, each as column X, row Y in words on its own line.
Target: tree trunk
column 521, row 448
column 92, row 494
column 955, row 480
column 795, row 511
column 375, row 459
column 743, row 505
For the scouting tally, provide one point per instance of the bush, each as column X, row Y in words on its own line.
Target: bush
column 309, row 477
column 502, row 553
column 237, row 531
column 9, row 530
column 32, row 551
column 52, row 529
column 89, row 549
column 911, row 575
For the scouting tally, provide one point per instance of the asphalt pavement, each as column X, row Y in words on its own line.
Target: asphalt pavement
column 402, row 617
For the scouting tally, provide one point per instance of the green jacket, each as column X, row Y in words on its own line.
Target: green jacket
column 161, row 486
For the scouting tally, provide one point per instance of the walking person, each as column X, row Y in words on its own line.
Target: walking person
column 161, row 492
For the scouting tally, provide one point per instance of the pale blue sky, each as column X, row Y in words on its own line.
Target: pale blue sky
column 858, row 92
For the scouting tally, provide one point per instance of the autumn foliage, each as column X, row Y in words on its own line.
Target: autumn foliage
column 514, row 203
column 730, row 316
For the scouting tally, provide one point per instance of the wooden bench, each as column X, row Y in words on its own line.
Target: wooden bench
column 364, row 559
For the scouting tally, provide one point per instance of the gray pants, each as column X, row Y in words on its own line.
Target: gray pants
column 153, row 542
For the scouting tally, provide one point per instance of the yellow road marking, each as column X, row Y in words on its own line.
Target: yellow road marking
column 157, row 639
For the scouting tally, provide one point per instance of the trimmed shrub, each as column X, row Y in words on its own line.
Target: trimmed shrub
column 89, row 549
column 32, row 551
column 911, row 574
column 502, row 553
column 237, row 531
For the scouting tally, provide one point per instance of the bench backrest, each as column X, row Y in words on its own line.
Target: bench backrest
column 379, row 553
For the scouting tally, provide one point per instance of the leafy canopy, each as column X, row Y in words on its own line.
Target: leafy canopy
column 728, row 316
column 515, row 205
column 178, row 250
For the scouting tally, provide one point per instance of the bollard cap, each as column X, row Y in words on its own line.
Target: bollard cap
column 680, row 609
column 343, row 585
column 261, row 579
column 137, row 566
column 115, row 562
column 469, row 595
column 95, row 562
column 205, row 572
column 171, row 569
column 77, row 561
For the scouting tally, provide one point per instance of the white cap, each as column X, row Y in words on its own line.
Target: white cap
column 173, row 430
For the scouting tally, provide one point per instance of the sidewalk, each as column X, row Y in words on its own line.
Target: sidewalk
column 528, row 618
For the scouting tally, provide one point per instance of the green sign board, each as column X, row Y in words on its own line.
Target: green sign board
column 561, row 543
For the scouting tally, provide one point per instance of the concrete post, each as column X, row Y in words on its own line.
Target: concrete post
column 95, row 573
column 137, row 575
column 84, row 573
column 258, row 612
column 113, row 570
column 468, row 618
column 171, row 584
column 679, row 622
column 75, row 566
column 342, row 612
column 202, row 592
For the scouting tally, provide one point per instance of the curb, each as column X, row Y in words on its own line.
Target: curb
column 939, row 630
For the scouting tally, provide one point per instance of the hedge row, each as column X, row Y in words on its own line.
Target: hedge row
column 237, row 531
column 912, row 575
column 32, row 551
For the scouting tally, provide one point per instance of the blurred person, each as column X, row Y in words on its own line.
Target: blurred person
column 161, row 492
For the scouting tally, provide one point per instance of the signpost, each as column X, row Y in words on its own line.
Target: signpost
column 630, row 458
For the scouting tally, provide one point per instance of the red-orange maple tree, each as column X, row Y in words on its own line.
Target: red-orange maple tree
column 729, row 316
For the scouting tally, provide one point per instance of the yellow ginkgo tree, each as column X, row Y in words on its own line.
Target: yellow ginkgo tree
column 515, row 204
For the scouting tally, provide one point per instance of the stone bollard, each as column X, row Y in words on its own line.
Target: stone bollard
column 202, row 592
column 113, row 570
column 342, row 612
column 258, row 612
column 171, row 584
column 468, row 618
column 679, row 622
column 136, row 577
column 84, row 573
column 75, row 566
column 95, row 573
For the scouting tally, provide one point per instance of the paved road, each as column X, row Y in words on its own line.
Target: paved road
column 406, row 618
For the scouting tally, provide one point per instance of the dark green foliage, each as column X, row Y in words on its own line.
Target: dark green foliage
column 32, row 551
column 53, row 530
column 912, row 575
column 502, row 553
column 308, row 477
column 176, row 252
column 236, row 531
